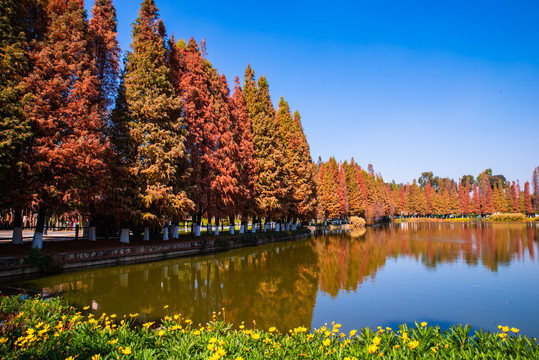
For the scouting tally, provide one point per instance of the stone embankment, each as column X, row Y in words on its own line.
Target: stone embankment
column 66, row 261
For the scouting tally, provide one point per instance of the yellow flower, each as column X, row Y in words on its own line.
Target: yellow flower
column 239, row 358
column 196, row 332
column 212, row 340
column 96, row 357
column 272, row 329
column 85, row 308
column 112, row 342
column 255, row 336
column 434, row 350
column 113, row 316
column 502, row 335
column 353, row 333
column 376, row 341
column 148, row 324
column 515, row 330
column 161, row 332
column 133, row 315
column 396, row 346
column 424, row 324
column 242, row 327
column 326, row 342
column 165, row 307
column 405, row 337
column 310, row 336
column 505, row 329
column 413, row 344
column 3, row 340
column 372, row 348
column 500, row 327
column 210, row 346
column 381, row 354
column 126, row 351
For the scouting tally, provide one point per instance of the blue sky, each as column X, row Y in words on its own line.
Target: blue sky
column 448, row 87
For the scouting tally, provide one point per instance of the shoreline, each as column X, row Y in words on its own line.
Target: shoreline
column 139, row 252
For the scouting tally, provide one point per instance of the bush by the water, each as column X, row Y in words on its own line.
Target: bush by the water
column 51, row 329
column 507, row 217
column 357, row 222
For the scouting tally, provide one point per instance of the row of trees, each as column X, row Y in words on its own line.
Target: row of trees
column 162, row 139
column 159, row 141
column 345, row 189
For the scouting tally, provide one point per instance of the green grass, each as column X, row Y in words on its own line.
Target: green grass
column 51, row 329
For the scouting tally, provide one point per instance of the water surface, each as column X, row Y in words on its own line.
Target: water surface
column 481, row 274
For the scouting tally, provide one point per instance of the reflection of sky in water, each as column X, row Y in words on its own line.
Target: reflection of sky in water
column 441, row 273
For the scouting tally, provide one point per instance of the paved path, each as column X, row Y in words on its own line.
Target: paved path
column 5, row 235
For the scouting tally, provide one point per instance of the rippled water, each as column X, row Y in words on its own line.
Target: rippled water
column 484, row 275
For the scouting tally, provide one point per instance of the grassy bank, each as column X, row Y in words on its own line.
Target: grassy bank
column 492, row 218
column 51, row 329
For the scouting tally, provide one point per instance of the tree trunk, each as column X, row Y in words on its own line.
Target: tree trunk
column 146, row 236
column 17, row 228
column 37, row 241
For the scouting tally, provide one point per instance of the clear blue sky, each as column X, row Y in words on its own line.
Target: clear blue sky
column 409, row 86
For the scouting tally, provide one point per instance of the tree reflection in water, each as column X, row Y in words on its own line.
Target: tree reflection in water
column 277, row 284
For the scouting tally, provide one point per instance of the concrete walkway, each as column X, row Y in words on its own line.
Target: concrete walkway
column 6, row 235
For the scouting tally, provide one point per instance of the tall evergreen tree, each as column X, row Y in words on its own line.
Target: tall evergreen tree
column 14, row 125
column 244, row 156
column 103, row 31
column 355, row 198
column 156, row 128
column 270, row 181
column 476, row 202
column 68, row 154
column 527, row 199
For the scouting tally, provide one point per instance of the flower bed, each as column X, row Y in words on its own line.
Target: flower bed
column 51, row 329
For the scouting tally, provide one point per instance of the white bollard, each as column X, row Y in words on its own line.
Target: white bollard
column 124, row 236
column 37, row 241
column 242, row 229
column 175, row 231
column 17, row 236
column 253, row 228
column 146, row 234
column 91, row 234
column 165, row 233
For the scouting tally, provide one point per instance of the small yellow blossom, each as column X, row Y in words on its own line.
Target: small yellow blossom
column 413, row 344
column 196, row 332
column 161, row 332
column 125, row 351
column 255, row 336
column 434, row 350
column 113, row 316
column 112, row 342
column 242, row 327
column 515, row 330
column 239, row 358
column 326, row 342
column 210, row 346
column 165, row 307
column 85, row 308
column 133, row 315
column 3, row 340
column 372, row 348
column 96, row 357
column 505, row 329
column 376, row 341
column 502, row 335
column 423, row 324
column 148, row 324
column 352, row 333
column 272, row 329
column 396, row 346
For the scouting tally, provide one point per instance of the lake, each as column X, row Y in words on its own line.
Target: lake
column 481, row 274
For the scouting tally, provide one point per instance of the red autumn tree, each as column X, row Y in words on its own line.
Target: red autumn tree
column 528, row 208
column 355, row 198
column 244, row 156
column 476, row 202
column 68, row 156
column 103, row 32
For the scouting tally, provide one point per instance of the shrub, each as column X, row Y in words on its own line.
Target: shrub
column 357, row 223
column 507, row 217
